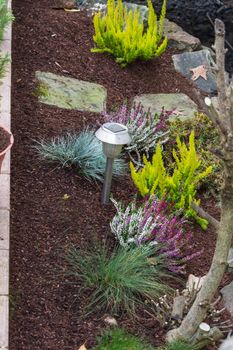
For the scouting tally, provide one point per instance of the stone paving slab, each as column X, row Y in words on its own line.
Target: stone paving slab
column 5, row 191
column 5, row 98
column 5, row 120
column 4, row 317
column 4, row 272
column 184, row 107
column 70, row 93
column 4, row 228
column 6, row 164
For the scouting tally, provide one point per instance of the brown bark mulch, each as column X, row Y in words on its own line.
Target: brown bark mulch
column 45, row 308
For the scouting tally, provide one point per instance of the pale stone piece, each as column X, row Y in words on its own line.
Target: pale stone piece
column 6, row 46
column 8, row 33
column 4, row 228
column 4, row 191
column 5, row 98
column 70, row 93
column 5, row 120
column 227, row 293
column 184, row 108
column 6, row 80
column 4, row 319
column 6, row 164
column 227, row 344
column 4, row 272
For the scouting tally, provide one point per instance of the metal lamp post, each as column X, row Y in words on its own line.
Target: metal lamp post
column 113, row 137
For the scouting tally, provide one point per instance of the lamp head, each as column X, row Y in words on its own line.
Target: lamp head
column 113, row 137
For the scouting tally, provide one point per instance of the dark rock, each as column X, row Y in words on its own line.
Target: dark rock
column 185, row 61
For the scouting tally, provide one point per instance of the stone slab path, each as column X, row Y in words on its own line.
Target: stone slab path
column 70, row 93
column 5, row 120
column 183, row 106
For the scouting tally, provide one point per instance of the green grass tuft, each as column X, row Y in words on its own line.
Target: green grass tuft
column 179, row 345
column 117, row 282
column 118, row 339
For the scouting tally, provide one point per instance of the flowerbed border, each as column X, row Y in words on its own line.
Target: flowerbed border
column 5, row 120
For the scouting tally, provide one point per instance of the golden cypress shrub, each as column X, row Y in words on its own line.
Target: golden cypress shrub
column 181, row 186
column 121, row 33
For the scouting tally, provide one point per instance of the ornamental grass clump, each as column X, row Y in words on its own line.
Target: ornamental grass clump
column 121, row 33
column 145, row 129
column 82, row 151
column 151, row 224
column 181, row 186
column 120, row 281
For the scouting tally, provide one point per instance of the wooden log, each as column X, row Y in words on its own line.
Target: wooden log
column 178, row 308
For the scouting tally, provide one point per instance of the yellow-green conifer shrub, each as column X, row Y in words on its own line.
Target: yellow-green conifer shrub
column 181, row 186
column 121, row 33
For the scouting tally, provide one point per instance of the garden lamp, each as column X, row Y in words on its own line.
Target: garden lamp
column 113, row 136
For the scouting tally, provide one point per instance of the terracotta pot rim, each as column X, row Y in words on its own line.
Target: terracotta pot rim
column 10, row 142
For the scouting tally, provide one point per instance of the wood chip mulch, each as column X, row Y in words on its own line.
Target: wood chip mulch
column 46, row 309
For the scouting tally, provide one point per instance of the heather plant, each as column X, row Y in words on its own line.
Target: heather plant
column 145, row 129
column 206, row 135
column 121, row 33
column 120, row 281
column 181, row 186
column 151, row 224
column 82, row 151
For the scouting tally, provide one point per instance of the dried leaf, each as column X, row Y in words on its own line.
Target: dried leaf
column 111, row 321
column 199, row 72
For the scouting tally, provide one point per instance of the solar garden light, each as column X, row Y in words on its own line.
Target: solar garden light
column 113, row 137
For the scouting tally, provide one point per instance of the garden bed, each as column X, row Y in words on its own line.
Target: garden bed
column 46, row 307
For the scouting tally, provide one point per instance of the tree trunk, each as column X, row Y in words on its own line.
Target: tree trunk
column 224, row 121
column 199, row 309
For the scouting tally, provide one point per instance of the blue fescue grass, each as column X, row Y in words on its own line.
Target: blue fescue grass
column 82, row 151
column 120, row 281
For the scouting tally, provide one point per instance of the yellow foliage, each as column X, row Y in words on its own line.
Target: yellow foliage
column 121, row 33
column 179, row 187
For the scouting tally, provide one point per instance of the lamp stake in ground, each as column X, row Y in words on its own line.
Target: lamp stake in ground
column 113, row 137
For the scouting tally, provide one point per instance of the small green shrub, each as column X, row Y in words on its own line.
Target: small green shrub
column 119, row 281
column 82, row 151
column 118, row 339
column 181, row 186
column 120, row 33
column 206, row 135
